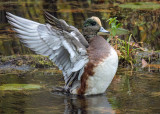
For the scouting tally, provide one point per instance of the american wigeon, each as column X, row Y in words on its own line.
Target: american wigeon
column 88, row 61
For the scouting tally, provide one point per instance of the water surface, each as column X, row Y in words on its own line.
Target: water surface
column 130, row 92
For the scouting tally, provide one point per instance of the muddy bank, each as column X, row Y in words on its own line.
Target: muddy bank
column 152, row 57
column 24, row 63
column 27, row 63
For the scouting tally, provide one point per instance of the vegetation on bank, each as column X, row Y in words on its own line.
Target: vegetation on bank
column 129, row 52
column 36, row 61
column 23, row 63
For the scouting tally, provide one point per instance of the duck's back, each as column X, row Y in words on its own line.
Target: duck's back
column 101, row 68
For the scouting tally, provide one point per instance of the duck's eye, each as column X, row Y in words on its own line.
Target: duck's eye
column 93, row 23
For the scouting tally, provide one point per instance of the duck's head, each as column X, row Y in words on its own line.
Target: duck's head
column 93, row 27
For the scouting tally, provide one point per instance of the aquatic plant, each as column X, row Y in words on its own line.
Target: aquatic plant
column 114, row 25
column 125, row 48
column 127, row 51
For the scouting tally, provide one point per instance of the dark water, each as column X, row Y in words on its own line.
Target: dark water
column 131, row 92
column 144, row 24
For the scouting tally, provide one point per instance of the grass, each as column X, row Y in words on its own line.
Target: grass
column 125, row 49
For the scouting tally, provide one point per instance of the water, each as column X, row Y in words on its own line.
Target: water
column 133, row 92
column 136, row 92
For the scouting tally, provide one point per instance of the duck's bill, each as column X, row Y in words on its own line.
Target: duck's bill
column 102, row 31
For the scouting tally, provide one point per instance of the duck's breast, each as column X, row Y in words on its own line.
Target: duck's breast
column 103, row 74
column 100, row 69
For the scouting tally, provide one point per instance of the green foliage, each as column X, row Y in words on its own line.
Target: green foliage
column 114, row 25
column 114, row 102
column 126, row 51
column 115, row 28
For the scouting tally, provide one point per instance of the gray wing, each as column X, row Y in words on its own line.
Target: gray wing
column 62, row 25
column 60, row 45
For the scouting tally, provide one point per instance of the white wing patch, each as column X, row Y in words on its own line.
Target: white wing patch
column 74, row 35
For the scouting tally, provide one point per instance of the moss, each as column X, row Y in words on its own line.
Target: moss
column 4, row 59
column 36, row 61
column 18, row 87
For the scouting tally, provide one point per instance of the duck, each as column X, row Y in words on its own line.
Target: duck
column 88, row 62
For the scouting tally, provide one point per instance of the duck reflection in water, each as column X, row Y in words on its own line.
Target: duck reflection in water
column 88, row 105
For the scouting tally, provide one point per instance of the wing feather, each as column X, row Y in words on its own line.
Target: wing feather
column 62, row 25
column 68, row 53
column 27, row 37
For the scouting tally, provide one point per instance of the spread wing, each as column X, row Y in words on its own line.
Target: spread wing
column 62, row 25
column 66, row 51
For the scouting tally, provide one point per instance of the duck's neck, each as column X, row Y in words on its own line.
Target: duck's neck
column 89, row 33
column 89, row 37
